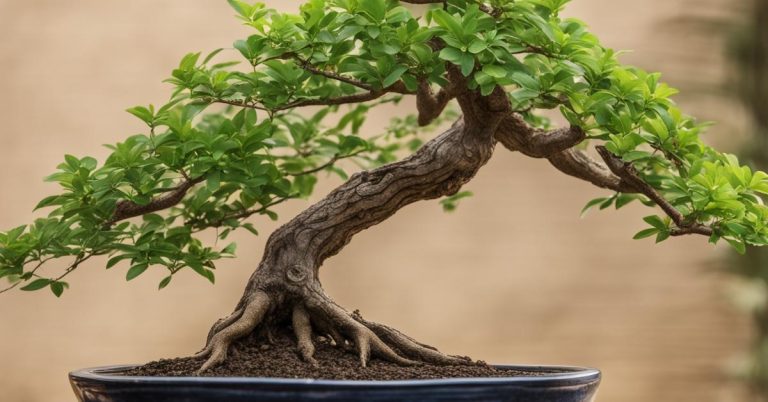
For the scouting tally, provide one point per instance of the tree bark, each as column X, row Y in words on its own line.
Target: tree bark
column 286, row 286
column 441, row 167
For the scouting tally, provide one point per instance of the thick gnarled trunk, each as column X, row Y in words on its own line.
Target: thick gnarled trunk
column 441, row 167
column 285, row 287
column 286, row 284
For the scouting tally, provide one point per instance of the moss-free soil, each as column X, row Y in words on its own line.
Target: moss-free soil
column 257, row 358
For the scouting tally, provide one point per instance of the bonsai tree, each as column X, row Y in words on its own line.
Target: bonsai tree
column 236, row 139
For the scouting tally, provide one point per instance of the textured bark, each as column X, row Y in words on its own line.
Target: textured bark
column 440, row 167
column 296, row 250
column 128, row 209
column 629, row 174
column 285, row 288
column 517, row 135
column 577, row 163
column 286, row 285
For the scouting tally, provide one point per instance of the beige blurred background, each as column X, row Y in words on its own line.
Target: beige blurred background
column 514, row 276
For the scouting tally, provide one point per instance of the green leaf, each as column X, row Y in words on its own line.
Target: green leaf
column 208, row 274
column 526, row 81
column 495, row 71
column 645, row 233
column 376, row 9
column 467, row 64
column 114, row 260
column 189, row 61
column 591, row 204
column 164, row 282
column 242, row 8
column 624, row 199
column 450, row 203
column 57, row 288
column 249, row 227
column 37, row 284
column 451, row 54
column 72, row 161
column 543, row 26
column 524, row 95
column 48, row 201
column 737, row 228
column 477, row 46
column 212, row 55
column 213, row 181
column 230, row 249
column 135, row 271
column 738, row 245
column 448, row 22
column 394, row 76
column 143, row 114
column 656, row 222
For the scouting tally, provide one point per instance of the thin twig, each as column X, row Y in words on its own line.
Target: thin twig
column 40, row 264
column 338, row 77
column 238, row 216
column 78, row 261
column 328, row 164
column 241, row 104
column 628, row 172
column 128, row 209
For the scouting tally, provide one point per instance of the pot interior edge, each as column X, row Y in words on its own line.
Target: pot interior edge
column 552, row 374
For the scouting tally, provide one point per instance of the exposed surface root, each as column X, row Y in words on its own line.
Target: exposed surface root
column 303, row 330
column 218, row 346
column 410, row 347
column 319, row 316
column 223, row 323
column 361, row 336
column 256, row 357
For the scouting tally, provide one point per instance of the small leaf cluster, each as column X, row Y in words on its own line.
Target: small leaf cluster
column 289, row 53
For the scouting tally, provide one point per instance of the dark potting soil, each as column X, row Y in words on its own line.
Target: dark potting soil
column 254, row 358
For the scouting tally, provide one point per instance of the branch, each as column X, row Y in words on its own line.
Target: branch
column 307, row 66
column 331, row 75
column 128, row 209
column 328, row 164
column 628, row 173
column 517, row 135
column 398, row 88
column 17, row 283
column 557, row 147
column 578, row 164
column 429, row 104
column 78, row 260
column 239, row 216
column 341, row 100
column 240, row 104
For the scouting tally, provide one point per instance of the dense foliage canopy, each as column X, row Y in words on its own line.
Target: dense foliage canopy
column 235, row 139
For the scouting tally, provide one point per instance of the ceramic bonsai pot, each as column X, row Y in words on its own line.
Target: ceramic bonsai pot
column 547, row 384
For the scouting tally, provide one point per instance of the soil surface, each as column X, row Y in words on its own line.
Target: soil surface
column 258, row 358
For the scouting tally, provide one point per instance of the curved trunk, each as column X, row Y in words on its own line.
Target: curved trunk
column 285, row 288
column 296, row 250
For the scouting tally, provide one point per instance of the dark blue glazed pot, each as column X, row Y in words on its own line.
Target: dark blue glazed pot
column 551, row 384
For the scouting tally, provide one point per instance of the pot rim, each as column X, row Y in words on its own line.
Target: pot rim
column 565, row 375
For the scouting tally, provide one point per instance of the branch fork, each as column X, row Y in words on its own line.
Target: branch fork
column 629, row 174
